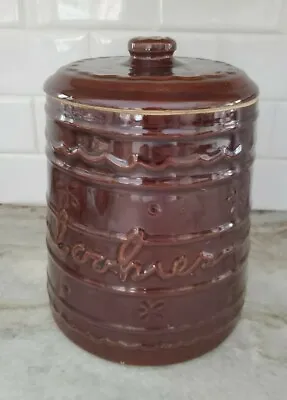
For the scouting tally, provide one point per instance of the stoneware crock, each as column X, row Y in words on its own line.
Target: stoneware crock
column 148, row 201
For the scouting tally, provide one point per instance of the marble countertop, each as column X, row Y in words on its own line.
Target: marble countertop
column 38, row 363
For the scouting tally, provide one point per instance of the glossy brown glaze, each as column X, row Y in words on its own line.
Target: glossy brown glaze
column 148, row 203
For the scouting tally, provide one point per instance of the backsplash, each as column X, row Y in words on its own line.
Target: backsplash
column 38, row 36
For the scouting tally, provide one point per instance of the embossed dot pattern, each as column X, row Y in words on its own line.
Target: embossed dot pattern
column 201, row 69
column 154, row 209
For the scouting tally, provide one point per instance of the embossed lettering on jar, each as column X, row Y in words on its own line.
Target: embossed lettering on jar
column 150, row 161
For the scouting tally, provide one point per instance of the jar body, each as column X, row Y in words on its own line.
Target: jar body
column 148, row 228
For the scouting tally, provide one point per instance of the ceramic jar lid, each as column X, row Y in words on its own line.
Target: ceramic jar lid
column 151, row 77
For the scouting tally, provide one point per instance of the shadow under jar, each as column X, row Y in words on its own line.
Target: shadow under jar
column 148, row 201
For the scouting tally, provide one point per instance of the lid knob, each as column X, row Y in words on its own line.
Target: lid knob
column 151, row 48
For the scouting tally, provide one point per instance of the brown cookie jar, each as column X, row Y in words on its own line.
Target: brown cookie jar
column 148, row 201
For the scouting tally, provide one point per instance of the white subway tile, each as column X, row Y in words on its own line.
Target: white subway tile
column 263, row 57
column 265, row 127
column 133, row 14
column 269, row 187
column 278, row 144
column 40, row 118
column 283, row 17
column 243, row 15
column 39, row 12
column 9, row 13
column 111, row 43
column 17, row 128
column 23, row 178
column 195, row 44
column 80, row 10
column 29, row 57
